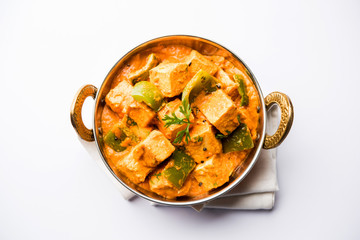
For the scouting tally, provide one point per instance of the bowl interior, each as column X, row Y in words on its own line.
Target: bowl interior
column 203, row 46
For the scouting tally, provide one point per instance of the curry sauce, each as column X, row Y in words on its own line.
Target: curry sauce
column 179, row 123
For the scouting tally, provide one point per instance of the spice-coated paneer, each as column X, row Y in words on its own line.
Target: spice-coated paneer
column 119, row 98
column 203, row 143
column 170, row 108
column 120, row 101
column 132, row 167
column 215, row 171
column 197, row 61
column 145, row 156
column 141, row 114
column 227, row 85
column 170, row 78
column 219, row 109
column 157, row 148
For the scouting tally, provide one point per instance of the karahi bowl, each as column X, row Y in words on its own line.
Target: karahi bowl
column 206, row 47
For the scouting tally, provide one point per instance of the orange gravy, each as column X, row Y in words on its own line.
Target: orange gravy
column 223, row 165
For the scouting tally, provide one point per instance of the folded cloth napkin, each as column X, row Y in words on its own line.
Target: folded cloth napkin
column 256, row 191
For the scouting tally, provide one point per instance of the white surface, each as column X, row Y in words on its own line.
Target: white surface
column 51, row 189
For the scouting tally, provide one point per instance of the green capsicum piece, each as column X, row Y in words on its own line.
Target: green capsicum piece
column 242, row 90
column 201, row 81
column 115, row 137
column 238, row 140
column 148, row 93
column 143, row 73
column 182, row 165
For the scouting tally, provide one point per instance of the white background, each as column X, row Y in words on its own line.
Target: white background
column 51, row 189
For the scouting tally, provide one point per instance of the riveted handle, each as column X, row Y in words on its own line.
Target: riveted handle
column 287, row 116
column 75, row 112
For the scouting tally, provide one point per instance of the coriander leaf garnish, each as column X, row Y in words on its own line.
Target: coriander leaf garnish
column 198, row 139
column 180, row 135
column 157, row 175
column 185, row 109
column 220, row 136
column 173, row 120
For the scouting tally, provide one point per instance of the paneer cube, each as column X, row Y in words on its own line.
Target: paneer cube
column 157, row 148
column 217, row 60
column 219, row 109
column 203, row 143
column 141, row 114
column 120, row 101
column 171, row 107
column 227, row 85
column 197, row 61
column 119, row 98
column 170, row 78
column 215, row 171
column 145, row 156
column 132, row 167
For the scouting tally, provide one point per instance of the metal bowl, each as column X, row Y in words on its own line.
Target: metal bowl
column 206, row 47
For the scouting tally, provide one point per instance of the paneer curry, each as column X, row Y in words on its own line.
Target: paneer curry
column 179, row 123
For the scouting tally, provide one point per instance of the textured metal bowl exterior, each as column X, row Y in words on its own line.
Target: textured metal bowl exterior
column 204, row 46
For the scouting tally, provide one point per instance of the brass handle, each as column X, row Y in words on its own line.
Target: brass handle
column 75, row 112
column 287, row 116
